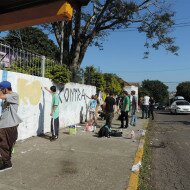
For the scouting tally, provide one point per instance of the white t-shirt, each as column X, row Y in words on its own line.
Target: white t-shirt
column 146, row 100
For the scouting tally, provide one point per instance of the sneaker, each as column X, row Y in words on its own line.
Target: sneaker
column 53, row 138
column 5, row 168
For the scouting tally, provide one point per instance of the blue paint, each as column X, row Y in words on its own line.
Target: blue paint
column 4, row 75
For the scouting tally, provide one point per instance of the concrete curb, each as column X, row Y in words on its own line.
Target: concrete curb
column 134, row 178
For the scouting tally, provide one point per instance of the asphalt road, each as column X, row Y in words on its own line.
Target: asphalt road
column 170, row 145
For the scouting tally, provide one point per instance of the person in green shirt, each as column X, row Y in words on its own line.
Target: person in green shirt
column 125, row 110
column 54, row 113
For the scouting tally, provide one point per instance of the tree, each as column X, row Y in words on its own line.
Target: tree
column 156, row 89
column 89, row 75
column 95, row 78
column 33, row 39
column 105, row 82
column 100, row 82
column 112, row 83
column 183, row 89
column 91, row 25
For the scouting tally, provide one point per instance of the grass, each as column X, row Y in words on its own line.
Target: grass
column 144, row 177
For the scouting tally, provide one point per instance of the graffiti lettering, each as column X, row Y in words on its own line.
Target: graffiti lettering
column 66, row 94
column 73, row 95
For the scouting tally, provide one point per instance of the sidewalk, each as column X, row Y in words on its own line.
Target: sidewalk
column 73, row 162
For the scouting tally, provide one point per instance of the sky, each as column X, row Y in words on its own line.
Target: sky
column 123, row 54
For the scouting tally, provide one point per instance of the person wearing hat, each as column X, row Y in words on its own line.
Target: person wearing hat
column 9, row 122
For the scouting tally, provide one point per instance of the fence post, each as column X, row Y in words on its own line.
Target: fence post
column 43, row 61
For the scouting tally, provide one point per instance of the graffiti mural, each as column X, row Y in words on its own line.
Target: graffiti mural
column 73, row 94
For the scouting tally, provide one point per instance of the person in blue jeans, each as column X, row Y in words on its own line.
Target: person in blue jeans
column 145, row 107
column 134, row 107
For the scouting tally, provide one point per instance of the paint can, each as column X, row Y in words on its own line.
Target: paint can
column 72, row 130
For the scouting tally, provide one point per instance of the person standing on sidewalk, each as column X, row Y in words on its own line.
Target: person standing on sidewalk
column 109, row 109
column 54, row 113
column 151, row 107
column 92, row 110
column 125, row 110
column 134, row 107
column 145, row 107
column 9, row 122
column 97, row 107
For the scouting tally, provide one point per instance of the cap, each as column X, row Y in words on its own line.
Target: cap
column 4, row 85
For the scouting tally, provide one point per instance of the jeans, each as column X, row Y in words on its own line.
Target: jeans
column 124, row 116
column 145, row 111
column 133, row 118
column 109, row 118
column 151, row 112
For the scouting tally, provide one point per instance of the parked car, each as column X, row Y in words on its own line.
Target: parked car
column 180, row 106
column 161, row 107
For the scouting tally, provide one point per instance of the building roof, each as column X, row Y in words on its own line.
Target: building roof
column 134, row 84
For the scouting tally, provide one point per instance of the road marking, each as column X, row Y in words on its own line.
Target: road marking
column 134, row 178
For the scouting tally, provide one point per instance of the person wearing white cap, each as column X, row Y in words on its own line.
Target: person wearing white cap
column 9, row 122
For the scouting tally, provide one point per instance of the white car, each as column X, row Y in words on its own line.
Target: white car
column 180, row 106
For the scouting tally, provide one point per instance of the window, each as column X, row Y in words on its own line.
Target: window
column 184, row 103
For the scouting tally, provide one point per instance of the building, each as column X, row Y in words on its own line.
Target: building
column 132, row 86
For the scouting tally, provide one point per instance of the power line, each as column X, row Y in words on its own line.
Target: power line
column 164, row 70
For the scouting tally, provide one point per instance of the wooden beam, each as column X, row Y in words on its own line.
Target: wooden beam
column 51, row 12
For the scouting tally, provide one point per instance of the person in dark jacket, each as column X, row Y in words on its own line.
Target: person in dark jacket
column 151, row 107
column 109, row 108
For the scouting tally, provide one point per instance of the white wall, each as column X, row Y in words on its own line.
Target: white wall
column 35, row 103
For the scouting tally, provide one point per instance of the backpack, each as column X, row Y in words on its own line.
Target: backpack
column 116, row 133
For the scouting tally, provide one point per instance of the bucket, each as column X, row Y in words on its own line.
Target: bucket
column 72, row 130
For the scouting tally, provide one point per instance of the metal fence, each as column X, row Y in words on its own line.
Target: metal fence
column 22, row 61
column 19, row 60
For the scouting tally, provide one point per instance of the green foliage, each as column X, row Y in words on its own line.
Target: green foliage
column 100, row 82
column 59, row 74
column 183, row 89
column 32, row 68
column 90, row 75
column 95, row 78
column 143, row 92
column 104, row 82
column 145, row 172
column 112, row 83
column 33, row 39
column 156, row 89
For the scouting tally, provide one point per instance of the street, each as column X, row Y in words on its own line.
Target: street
column 170, row 145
